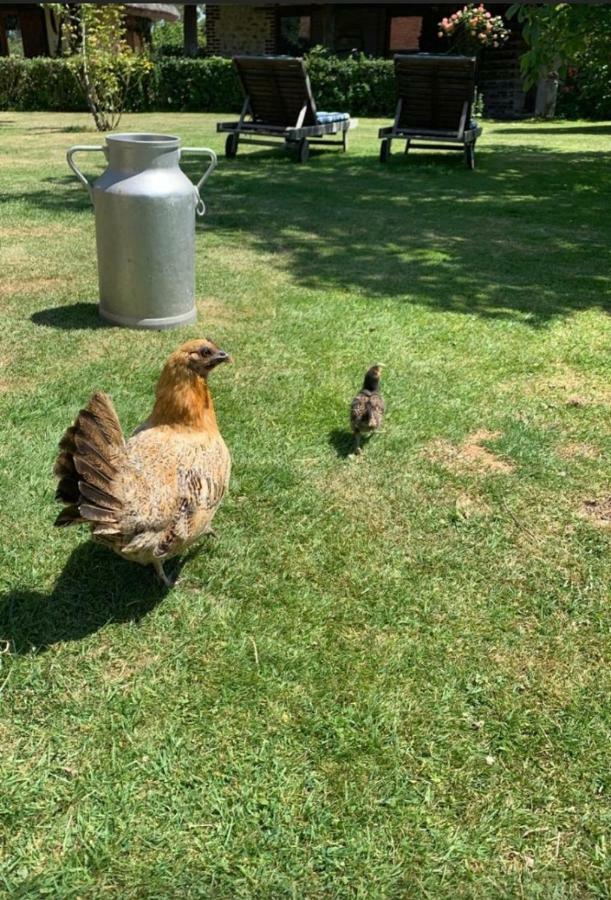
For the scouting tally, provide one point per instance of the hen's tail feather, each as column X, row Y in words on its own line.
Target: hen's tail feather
column 91, row 475
column 96, row 514
column 70, row 515
column 98, row 497
column 86, row 466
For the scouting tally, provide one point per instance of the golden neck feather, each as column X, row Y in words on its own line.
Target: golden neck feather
column 183, row 398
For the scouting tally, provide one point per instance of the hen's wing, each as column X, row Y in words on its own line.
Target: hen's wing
column 172, row 486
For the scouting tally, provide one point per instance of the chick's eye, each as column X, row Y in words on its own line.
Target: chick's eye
column 204, row 351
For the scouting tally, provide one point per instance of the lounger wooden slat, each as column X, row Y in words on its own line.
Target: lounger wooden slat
column 278, row 103
column 434, row 100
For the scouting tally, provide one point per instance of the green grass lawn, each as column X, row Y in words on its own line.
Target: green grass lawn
column 387, row 677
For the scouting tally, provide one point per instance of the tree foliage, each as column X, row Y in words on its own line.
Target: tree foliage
column 559, row 35
column 100, row 58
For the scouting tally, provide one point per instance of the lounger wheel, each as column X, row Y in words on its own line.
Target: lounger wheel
column 384, row 151
column 231, row 145
column 470, row 155
column 303, row 151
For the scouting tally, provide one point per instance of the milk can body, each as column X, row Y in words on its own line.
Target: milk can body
column 145, row 209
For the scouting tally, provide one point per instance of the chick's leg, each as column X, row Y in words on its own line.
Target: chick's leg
column 357, row 442
column 161, row 575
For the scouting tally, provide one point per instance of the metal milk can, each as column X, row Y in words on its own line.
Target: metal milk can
column 145, row 210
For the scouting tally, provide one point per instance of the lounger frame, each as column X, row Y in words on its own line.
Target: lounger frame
column 433, row 91
column 279, row 101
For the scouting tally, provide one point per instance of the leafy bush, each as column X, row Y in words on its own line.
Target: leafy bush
column 360, row 85
column 40, row 83
column 586, row 93
column 195, row 85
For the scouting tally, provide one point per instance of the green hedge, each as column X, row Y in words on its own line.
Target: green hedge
column 364, row 87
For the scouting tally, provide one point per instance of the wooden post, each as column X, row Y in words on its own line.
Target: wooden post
column 190, row 45
column 328, row 26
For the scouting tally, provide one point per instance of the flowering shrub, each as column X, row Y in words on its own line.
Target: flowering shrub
column 472, row 28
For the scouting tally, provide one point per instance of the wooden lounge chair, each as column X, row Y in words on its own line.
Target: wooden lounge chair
column 435, row 95
column 278, row 105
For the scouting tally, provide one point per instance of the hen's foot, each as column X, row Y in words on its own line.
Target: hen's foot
column 166, row 580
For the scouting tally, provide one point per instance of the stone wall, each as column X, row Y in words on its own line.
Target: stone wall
column 232, row 30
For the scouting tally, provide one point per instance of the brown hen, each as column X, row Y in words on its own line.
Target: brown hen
column 151, row 497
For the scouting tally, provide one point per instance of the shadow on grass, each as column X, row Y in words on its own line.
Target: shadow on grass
column 68, row 129
column 342, row 441
column 524, row 237
column 557, row 129
column 95, row 588
column 71, row 317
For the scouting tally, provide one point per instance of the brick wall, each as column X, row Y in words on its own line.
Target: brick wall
column 500, row 81
column 232, row 30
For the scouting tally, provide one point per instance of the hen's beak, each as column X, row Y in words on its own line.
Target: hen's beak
column 220, row 357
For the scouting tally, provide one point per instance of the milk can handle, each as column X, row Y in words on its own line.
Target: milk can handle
column 200, row 209
column 78, row 149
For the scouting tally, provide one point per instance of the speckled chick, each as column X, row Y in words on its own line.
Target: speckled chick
column 367, row 408
column 153, row 496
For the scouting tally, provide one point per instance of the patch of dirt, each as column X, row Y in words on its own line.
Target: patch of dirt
column 15, row 384
column 551, row 670
column 467, row 506
column 470, row 456
column 355, row 490
column 563, row 385
column 597, row 511
column 27, row 285
column 119, row 671
column 31, row 232
column 575, row 449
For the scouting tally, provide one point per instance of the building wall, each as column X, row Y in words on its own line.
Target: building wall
column 500, row 81
column 253, row 30
column 233, row 30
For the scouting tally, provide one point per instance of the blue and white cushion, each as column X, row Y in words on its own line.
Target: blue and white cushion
column 326, row 118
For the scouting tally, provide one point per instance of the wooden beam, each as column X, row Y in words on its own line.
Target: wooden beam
column 190, row 29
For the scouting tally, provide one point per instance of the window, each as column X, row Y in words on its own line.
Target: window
column 295, row 34
column 404, row 33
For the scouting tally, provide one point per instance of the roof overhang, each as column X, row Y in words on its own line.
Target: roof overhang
column 154, row 11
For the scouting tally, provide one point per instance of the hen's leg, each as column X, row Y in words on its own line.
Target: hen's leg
column 357, row 442
column 161, row 575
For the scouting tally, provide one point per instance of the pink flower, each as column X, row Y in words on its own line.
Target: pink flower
column 488, row 15
column 444, row 21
